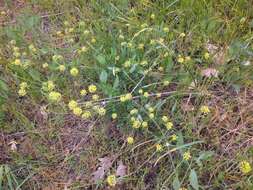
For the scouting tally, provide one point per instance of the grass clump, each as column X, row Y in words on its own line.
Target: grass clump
column 126, row 94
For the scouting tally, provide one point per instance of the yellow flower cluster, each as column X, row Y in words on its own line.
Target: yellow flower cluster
column 204, row 109
column 111, row 180
column 61, row 68
column 168, row 124
column 54, row 96
column 130, row 140
column 126, row 97
column 92, row 88
column 245, row 167
column 48, row 86
column 73, row 106
column 114, row 115
column 187, row 155
column 74, row 71
column 32, row 48
column 57, row 58
column 22, row 89
column 159, row 147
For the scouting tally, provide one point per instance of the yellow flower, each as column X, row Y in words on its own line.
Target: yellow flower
column 140, row 91
column 72, row 104
column 180, row 59
column 45, row 65
column 111, row 180
column 93, row 40
column 151, row 115
column 158, row 95
column 86, row 115
column 83, row 92
column 57, row 58
column 62, row 68
column 32, row 48
column 159, row 147
column 143, row 63
column 169, row 125
column 133, row 111
column 129, row 96
column 141, row 46
column 84, row 49
column 101, row 111
column 132, row 119
column 146, row 94
column 114, row 115
column 130, row 140
column 204, row 109
column 182, row 35
column 127, row 64
column 74, row 71
column 23, row 85
column 86, row 32
column 54, row 96
column 152, row 16
column 174, row 137
column 17, row 62
column 245, row 167
column 16, row 54
column 151, row 110
column 92, row 88
column 136, row 124
column 95, row 97
column 187, row 155
column 165, row 118
column 187, row 58
column 122, row 98
column 166, row 29
column 77, row 111
column 144, row 124
column 206, row 55
column 50, row 85
column 22, row 92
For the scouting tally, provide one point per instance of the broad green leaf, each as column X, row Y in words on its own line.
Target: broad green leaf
column 194, row 179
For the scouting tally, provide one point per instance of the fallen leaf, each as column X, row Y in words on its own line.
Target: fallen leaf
column 104, row 165
column 210, row 72
column 98, row 174
column 121, row 170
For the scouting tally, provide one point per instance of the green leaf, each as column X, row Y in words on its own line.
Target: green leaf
column 103, row 76
column 101, row 59
column 194, row 180
column 176, row 184
column 34, row 74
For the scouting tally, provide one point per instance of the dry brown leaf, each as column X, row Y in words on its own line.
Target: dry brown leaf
column 104, row 165
column 121, row 170
column 210, row 72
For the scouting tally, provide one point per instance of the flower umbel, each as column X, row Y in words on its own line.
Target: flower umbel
column 245, row 167
column 111, row 180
